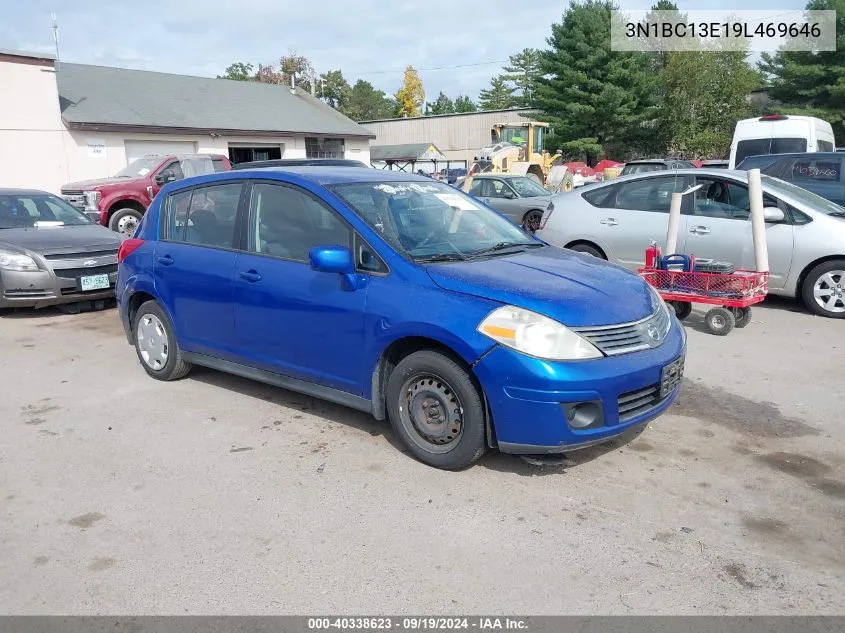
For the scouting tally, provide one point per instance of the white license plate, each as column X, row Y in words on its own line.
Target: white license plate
column 94, row 282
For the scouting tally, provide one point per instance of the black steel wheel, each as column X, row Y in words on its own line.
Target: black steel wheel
column 436, row 410
column 719, row 321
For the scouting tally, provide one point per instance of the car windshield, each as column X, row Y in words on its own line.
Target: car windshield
column 527, row 188
column 22, row 211
column 138, row 168
column 432, row 221
column 815, row 202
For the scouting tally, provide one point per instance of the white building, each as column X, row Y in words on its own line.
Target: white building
column 63, row 122
column 458, row 136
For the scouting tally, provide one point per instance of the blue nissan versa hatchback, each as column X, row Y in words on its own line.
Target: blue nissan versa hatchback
column 402, row 297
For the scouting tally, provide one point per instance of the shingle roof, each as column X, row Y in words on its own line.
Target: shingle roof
column 406, row 152
column 117, row 97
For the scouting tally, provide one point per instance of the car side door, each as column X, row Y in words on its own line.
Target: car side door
column 636, row 214
column 193, row 265
column 502, row 197
column 719, row 228
column 289, row 318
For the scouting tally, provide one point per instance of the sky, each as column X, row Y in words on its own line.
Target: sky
column 457, row 46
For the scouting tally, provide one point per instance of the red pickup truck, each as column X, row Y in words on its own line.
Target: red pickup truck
column 120, row 201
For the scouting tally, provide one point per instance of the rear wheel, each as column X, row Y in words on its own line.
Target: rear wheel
column 742, row 316
column 532, row 219
column 587, row 249
column 156, row 344
column 823, row 290
column 436, row 410
column 719, row 321
column 125, row 221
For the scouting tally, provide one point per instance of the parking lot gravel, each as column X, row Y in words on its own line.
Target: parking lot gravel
column 215, row 495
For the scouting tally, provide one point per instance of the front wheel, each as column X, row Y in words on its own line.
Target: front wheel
column 531, row 221
column 436, row 410
column 125, row 221
column 823, row 290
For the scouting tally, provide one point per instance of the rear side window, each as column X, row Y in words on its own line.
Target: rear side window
column 817, row 170
column 204, row 215
column 602, row 197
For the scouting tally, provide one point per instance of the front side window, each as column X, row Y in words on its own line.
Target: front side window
column 204, row 215
column 496, row 188
column 287, row 222
column 171, row 172
column 424, row 221
column 650, row 194
column 25, row 211
column 725, row 199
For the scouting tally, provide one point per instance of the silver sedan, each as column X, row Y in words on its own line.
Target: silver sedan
column 616, row 220
column 518, row 197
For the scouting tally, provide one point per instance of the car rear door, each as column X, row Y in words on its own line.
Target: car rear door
column 289, row 318
column 637, row 214
column 719, row 227
column 194, row 265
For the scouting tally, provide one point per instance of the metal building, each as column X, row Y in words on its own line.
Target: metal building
column 458, row 136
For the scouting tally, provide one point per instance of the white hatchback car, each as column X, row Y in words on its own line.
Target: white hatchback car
column 617, row 220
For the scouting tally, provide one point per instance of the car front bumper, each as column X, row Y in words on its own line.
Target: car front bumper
column 38, row 289
column 531, row 400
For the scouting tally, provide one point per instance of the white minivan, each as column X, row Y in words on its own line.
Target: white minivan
column 780, row 134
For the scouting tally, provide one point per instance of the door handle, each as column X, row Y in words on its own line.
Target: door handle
column 700, row 230
column 165, row 260
column 608, row 221
column 251, row 276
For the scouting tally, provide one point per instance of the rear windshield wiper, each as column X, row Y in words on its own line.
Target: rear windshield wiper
column 441, row 257
column 837, row 214
column 501, row 246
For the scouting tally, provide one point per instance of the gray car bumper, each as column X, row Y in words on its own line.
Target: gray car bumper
column 42, row 288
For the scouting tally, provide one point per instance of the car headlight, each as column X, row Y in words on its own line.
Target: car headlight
column 659, row 302
column 92, row 200
column 536, row 335
column 16, row 261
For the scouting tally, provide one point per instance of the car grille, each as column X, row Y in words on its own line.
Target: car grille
column 638, row 402
column 74, row 273
column 27, row 293
column 83, row 255
column 75, row 198
column 629, row 337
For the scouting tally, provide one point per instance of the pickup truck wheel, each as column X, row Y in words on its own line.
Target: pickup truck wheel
column 125, row 221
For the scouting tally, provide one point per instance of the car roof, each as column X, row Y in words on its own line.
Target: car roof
column 493, row 175
column 317, row 175
column 687, row 171
column 300, row 162
column 656, row 160
column 24, row 192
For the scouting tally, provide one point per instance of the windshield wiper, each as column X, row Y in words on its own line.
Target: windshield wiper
column 441, row 257
column 837, row 214
column 501, row 246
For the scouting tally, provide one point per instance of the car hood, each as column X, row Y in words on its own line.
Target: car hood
column 87, row 185
column 574, row 289
column 85, row 237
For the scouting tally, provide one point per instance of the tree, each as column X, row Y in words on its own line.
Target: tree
column 499, row 96
column 334, row 89
column 411, row 95
column 300, row 67
column 812, row 82
column 599, row 102
column 239, row 72
column 365, row 103
column 441, row 105
column 464, row 104
column 268, row 74
column 522, row 72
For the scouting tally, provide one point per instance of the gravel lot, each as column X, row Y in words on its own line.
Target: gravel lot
column 213, row 495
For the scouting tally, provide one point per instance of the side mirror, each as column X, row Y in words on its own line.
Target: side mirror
column 163, row 179
column 773, row 214
column 507, row 193
column 332, row 259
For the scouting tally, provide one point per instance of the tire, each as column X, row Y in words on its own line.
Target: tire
column 531, row 221
column 155, row 343
column 587, row 249
column 434, row 385
column 719, row 321
column 823, row 289
column 125, row 221
column 682, row 309
column 742, row 317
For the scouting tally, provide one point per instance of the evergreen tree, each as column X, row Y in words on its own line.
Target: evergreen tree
column 464, row 104
column 499, row 96
column 441, row 105
column 523, row 71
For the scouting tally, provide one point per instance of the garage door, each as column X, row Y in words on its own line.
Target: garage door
column 139, row 149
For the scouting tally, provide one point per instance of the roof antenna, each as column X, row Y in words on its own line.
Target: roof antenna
column 55, row 33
